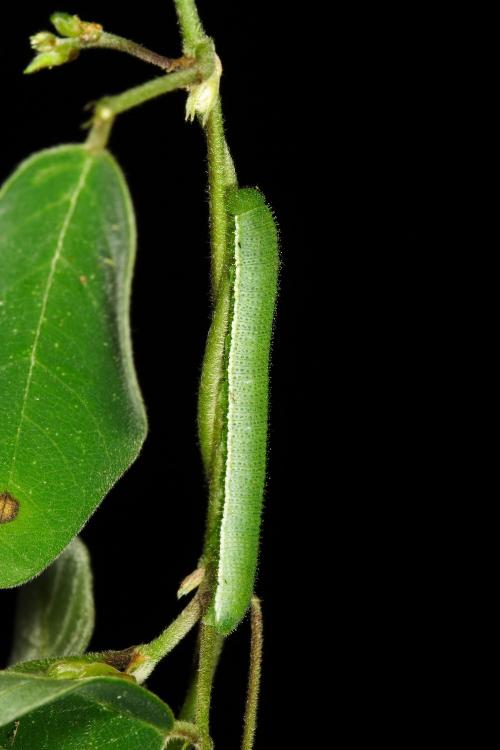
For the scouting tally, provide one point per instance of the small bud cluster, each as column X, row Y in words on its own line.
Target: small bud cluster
column 53, row 50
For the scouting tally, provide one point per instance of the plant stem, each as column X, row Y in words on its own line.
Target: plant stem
column 120, row 44
column 252, row 702
column 218, row 184
column 191, row 27
column 148, row 655
column 211, row 405
column 107, row 108
column 184, row 730
column 210, row 647
column 150, row 90
column 221, row 175
column 188, row 710
column 210, row 381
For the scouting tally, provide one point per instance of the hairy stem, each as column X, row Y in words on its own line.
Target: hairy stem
column 188, row 710
column 252, row 701
column 119, row 44
column 210, row 646
column 190, row 24
column 218, row 183
column 211, row 407
column 148, row 655
column 107, row 108
column 150, row 90
column 221, row 174
column 184, row 730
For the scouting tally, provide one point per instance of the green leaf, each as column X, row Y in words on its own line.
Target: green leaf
column 55, row 612
column 72, row 415
column 87, row 714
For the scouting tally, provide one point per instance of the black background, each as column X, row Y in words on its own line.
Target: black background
column 337, row 121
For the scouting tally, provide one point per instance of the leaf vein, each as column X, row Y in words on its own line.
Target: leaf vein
column 57, row 254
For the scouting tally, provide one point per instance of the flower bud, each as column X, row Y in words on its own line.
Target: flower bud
column 72, row 27
column 66, row 24
column 44, row 41
column 62, row 52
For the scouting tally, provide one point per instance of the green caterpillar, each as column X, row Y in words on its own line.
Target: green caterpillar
column 77, row 669
column 242, row 328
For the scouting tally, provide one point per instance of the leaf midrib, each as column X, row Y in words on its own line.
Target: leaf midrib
column 50, row 279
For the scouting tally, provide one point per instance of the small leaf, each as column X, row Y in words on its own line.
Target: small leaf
column 87, row 714
column 191, row 582
column 55, row 612
column 72, row 415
